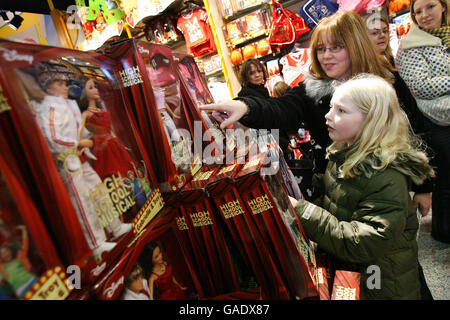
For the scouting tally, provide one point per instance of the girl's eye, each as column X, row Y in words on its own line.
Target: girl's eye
column 341, row 110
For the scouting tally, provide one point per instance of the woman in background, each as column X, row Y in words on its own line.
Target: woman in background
column 423, row 60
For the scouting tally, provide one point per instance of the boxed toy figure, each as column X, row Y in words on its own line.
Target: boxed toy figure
column 265, row 197
column 154, row 267
column 29, row 264
column 67, row 109
column 155, row 101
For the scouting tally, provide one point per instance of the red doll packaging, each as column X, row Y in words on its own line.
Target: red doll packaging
column 155, row 100
column 245, row 233
column 153, row 267
column 30, row 268
column 85, row 156
column 207, row 233
column 264, row 196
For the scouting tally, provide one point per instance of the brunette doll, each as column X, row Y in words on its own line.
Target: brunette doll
column 159, row 274
column 112, row 155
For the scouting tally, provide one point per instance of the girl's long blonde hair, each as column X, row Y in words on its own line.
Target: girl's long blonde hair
column 385, row 136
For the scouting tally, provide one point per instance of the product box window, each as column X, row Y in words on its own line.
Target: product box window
column 154, row 267
column 29, row 263
column 67, row 106
column 155, row 100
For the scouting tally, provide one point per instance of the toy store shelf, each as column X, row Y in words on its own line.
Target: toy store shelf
column 248, row 41
column 243, row 12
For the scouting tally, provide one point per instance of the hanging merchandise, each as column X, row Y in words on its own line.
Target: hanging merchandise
column 295, row 66
column 398, row 5
column 360, row 6
column 100, row 190
column 101, row 20
column 402, row 24
column 314, row 10
column 273, row 70
column 136, row 10
column 194, row 25
column 286, row 27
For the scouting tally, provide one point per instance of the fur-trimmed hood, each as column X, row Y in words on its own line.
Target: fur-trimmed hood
column 316, row 88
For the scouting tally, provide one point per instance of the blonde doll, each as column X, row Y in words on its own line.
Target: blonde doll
column 366, row 216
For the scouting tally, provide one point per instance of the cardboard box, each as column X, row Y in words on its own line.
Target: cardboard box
column 155, row 100
column 208, row 234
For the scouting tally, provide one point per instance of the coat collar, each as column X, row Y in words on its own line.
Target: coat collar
column 416, row 37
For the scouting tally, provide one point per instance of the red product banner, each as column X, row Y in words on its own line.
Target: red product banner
column 346, row 285
column 279, row 227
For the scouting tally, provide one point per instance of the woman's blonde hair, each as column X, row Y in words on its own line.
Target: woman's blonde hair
column 369, row 19
column 348, row 29
column 445, row 16
column 279, row 88
column 385, row 137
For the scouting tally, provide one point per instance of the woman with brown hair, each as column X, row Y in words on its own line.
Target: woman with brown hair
column 253, row 77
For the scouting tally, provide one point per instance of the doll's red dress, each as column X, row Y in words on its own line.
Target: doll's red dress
column 170, row 290
column 112, row 157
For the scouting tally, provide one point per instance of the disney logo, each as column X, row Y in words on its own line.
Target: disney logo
column 98, row 269
column 143, row 50
column 13, row 55
column 109, row 292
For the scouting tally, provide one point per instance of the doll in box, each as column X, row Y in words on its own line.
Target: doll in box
column 15, row 268
column 60, row 119
column 112, row 155
column 161, row 281
column 136, row 286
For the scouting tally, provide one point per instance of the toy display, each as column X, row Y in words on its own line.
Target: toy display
column 29, row 262
column 70, row 102
column 108, row 165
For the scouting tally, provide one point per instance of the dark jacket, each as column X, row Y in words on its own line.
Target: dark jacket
column 254, row 90
column 306, row 106
column 366, row 221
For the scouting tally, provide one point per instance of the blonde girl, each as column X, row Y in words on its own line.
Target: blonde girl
column 366, row 216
